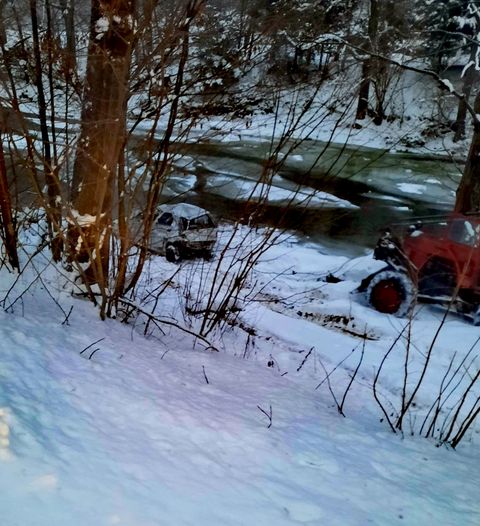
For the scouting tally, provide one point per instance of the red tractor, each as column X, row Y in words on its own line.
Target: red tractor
column 436, row 262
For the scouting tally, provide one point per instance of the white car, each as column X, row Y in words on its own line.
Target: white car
column 183, row 229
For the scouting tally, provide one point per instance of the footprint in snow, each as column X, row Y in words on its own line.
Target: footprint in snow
column 318, row 462
column 302, row 511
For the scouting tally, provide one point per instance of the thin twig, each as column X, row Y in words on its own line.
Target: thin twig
column 466, row 424
column 93, row 352
column 339, row 409
column 168, row 322
column 91, row 345
column 67, row 317
column 335, row 368
column 305, row 359
column 462, row 402
column 205, row 374
column 268, row 415
column 352, row 378
column 377, row 375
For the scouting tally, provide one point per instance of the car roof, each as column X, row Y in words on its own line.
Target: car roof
column 184, row 210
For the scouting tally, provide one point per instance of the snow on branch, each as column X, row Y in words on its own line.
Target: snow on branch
column 446, row 84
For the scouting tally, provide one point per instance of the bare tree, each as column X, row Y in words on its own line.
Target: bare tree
column 102, row 133
column 9, row 233
column 371, row 46
column 68, row 11
column 49, row 168
column 159, row 163
column 468, row 192
column 470, row 73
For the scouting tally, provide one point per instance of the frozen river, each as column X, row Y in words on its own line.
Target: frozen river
column 336, row 196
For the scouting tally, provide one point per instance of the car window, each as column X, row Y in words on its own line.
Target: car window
column 203, row 221
column 463, row 232
column 165, row 219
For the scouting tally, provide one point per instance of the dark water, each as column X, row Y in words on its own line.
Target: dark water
column 386, row 188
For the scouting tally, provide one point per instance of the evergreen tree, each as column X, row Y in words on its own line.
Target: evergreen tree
column 440, row 29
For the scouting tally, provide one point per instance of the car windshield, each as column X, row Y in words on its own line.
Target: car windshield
column 463, row 232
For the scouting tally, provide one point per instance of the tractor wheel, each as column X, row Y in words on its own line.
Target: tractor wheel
column 392, row 292
column 172, row 253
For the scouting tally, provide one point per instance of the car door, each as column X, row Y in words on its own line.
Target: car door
column 164, row 229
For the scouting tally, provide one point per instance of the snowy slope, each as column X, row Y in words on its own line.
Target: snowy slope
column 163, row 432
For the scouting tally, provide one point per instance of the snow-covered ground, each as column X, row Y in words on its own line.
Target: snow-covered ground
column 100, row 425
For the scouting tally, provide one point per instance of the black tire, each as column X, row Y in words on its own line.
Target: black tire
column 173, row 253
column 391, row 292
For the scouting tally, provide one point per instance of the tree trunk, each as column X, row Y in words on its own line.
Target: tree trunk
column 3, row 30
column 364, row 91
column 381, row 86
column 468, row 192
column 470, row 77
column 146, row 36
column 9, row 234
column 68, row 11
column 51, row 82
column 53, row 205
column 101, row 136
column 379, row 112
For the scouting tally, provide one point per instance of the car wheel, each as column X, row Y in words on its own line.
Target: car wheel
column 392, row 292
column 172, row 253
